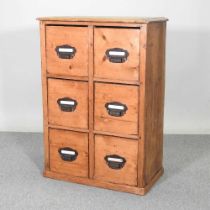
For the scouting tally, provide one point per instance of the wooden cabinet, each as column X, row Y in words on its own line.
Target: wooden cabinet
column 103, row 100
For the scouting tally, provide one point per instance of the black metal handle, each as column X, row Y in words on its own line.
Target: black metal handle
column 67, row 104
column 116, row 109
column 68, row 154
column 65, row 51
column 117, row 55
column 115, row 161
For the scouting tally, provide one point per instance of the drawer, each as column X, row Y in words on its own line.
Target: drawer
column 116, row 108
column 67, row 50
column 68, row 103
column 116, row 53
column 68, row 152
column 116, row 160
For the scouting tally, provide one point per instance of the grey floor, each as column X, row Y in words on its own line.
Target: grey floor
column 185, row 184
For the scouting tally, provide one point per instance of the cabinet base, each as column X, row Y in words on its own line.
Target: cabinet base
column 106, row 185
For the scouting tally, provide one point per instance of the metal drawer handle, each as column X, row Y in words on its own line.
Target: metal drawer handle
column 67, row 104
column 68, row 154
column 65, row 51
column 115, row 161
column 116, row 109
column 117, row 55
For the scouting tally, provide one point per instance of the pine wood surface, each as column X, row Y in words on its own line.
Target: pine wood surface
column 127, row 95
column 72, row 89
column 106, row 19
column 76, row 37
column 78, row 141
column 106, row 145
column 108, row 38
column 93, row 81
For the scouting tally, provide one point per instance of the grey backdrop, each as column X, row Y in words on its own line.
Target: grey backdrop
column 187, row 104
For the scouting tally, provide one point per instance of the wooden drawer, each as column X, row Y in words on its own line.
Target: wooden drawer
column 110, row 62
column 116, row 160
column 116, row 108
column 67, row 50
column 68, row 103
column 69, row 152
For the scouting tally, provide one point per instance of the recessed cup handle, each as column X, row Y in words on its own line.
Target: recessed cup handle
column 115, row 161
column 65, row 51
column 68, row 154
column 116, row 109
column 117, row 55
column 67, row 104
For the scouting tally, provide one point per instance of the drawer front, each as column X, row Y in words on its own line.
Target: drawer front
column 68, row 152
column 68, row 103
column 67, row 50
column 116, row 160
column 116, row 108
column 116, row 53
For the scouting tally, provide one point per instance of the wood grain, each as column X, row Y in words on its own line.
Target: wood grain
column 141, row 125
column 93, row 81
column 76, row 78
column 94, row 24
column 75, row 90
column 68, row 128
column 128, row 95
column 77, row 141
column 108, row 38
column 154, row 99
column 105, row 20
column 106, row 185
column 91, row 102
column 134, row 137
column 44, row 95
column 116, row 81
column 106, row 145
column 76, row 37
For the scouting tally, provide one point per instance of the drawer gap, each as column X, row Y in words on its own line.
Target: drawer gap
column 122, row 27
column 69, row 25
column 116, row 82
column 127, row 136
column 67, row 78
column 81, row 130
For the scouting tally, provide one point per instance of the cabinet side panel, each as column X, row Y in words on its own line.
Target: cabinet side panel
column 44, row 94
column 91, row 101
column 154, row 99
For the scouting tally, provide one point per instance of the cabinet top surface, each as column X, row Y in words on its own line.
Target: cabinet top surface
column 106, row 19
